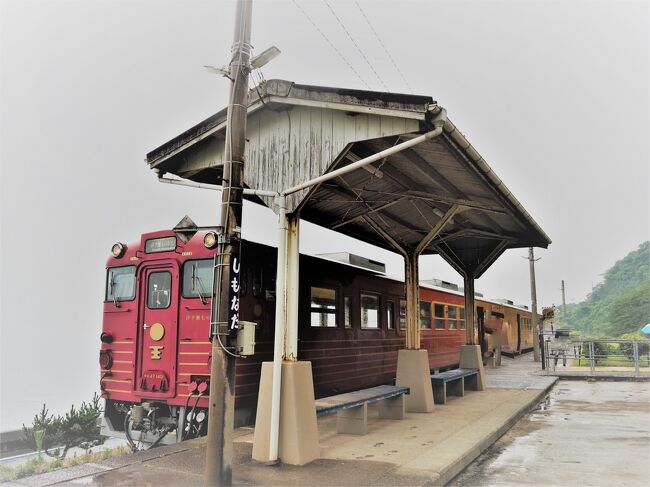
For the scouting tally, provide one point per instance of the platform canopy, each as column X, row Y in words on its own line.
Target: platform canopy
column 437, row 197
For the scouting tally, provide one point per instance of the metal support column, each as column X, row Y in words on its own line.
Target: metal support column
column 635, row 344
column 592, row 359
column 412, row 302
column 470, row 314
column 293, row 284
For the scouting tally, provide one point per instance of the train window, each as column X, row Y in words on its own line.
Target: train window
column 402, row 314
column 390, row 314
column 451, row 316
column 439, row 315
column 159, row 290
column 462, row 318
column 120, row 283
column 323, row 307
column 425, row 314
column 347, row 312
column 197, row 278
column 369, row 311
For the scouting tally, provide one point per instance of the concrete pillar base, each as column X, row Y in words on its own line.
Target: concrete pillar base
column 298, row 442
column 413, row 372
column 470, row 358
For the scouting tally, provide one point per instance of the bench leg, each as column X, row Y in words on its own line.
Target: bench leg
column 392, row 408
column 353, row 421
column 472, row 382
column 456, row 388
column 440, row 393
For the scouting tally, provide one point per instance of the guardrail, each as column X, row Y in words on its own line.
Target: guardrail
column 599, row 356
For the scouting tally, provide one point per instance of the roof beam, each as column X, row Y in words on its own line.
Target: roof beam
column 385, row 235
column 433, row 233
column 455, row 201
column 459, row 153
column 448, row 185
column 351, row 192
column 491, row 257
column 373, row 210
column 452, row 260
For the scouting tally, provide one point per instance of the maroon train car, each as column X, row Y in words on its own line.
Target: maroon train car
column 155, row 352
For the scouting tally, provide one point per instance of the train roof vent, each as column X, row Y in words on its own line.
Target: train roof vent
column 522, row 306
column 476, row 293
column 445, row 284
column 505, row 301
column 356, row 260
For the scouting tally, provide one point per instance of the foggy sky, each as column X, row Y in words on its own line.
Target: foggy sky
column 553, row 94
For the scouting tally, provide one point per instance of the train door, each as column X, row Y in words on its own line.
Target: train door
column 518, row 332
column 157, row 331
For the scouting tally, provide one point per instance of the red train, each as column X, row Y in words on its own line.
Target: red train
column 155, row 352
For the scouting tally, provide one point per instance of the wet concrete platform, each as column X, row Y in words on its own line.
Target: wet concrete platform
column 423, row 449
column 584, row 433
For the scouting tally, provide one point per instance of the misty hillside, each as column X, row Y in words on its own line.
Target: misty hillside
column 621, row 303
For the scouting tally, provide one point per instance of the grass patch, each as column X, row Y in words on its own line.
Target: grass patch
column 38, row 465
column 613, row 361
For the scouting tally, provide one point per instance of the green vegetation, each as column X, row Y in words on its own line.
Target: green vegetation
column 37, row 465
column 55, row 435
column 618, row 305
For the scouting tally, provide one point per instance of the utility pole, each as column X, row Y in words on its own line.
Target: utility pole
column 563, row 301
column 224, row 315
column 533, row 298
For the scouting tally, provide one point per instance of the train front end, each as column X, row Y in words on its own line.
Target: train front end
column 155, row 351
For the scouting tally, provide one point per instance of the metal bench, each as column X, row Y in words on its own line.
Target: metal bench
column 351, row 408
column 453, row 383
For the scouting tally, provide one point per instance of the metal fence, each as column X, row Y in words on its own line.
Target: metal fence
column 617, row 357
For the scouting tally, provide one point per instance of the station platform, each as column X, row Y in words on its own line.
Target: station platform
column 423, row 449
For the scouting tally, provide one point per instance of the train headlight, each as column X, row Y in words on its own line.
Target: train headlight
column 106, row 337
column 118, row 250
column 210, row 240
column 105, row 359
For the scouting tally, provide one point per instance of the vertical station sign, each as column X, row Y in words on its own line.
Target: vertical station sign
column 234, row 288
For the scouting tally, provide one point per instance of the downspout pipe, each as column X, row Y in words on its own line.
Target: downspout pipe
column 215, row 187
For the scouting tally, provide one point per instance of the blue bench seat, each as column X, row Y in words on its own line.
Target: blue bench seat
column 453, row 382
column 351, row 408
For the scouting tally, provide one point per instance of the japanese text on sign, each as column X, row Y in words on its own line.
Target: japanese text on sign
column 233, row 300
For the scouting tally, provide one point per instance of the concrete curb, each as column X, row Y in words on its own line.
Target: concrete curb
column 609, row 378
column 452, row 470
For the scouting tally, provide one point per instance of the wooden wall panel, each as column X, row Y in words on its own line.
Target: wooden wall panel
column 289, row 147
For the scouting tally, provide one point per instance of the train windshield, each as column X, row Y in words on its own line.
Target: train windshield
column 120, row 283
column 197, row 279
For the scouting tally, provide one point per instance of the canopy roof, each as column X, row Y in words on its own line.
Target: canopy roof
column 439, row 196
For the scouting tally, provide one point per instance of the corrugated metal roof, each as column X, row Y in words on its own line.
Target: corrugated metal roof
column 297, row 132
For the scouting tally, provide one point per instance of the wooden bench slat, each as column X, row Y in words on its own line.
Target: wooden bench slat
column 332, row 404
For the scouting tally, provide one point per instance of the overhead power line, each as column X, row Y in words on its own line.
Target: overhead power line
column 384, row 47
column 331, row 44
column 363, row 55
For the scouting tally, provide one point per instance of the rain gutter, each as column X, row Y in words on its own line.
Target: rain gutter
column 459, row 139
